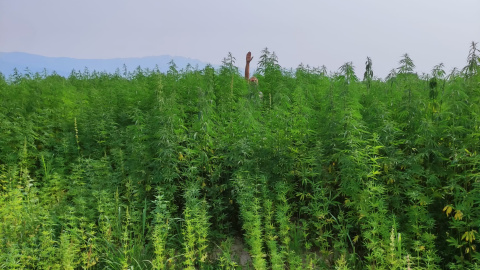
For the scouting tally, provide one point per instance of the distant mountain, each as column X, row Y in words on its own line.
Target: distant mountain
column 63, row 65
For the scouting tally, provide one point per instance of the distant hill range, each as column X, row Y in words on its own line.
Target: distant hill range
column 63, row 65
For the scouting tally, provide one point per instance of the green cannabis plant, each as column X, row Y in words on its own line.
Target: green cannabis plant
column 193, row 168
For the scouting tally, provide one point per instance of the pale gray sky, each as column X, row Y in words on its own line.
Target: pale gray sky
column 314, row 32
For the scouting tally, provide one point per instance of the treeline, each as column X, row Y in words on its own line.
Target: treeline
column 146, row 170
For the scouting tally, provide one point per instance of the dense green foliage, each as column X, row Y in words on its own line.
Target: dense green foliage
column 141, row 170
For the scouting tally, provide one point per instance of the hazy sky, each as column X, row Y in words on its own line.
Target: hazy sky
column 314, row 32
